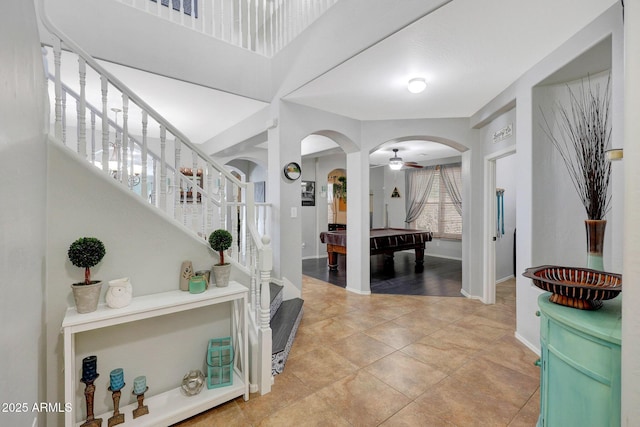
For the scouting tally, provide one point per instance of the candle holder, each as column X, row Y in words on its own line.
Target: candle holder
column 141, row 409
column 117, row 417
column 89, row 391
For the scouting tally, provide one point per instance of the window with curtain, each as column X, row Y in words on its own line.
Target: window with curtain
column 442, row 211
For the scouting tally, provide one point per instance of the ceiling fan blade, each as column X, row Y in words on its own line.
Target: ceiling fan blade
column 413, row 165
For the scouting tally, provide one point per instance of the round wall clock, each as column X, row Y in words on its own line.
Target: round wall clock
column 292, row 171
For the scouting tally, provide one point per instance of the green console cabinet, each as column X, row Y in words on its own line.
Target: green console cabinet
column 580, row 365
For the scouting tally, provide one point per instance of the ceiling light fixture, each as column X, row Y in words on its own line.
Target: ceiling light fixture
column 417, row 85
column 395, row 163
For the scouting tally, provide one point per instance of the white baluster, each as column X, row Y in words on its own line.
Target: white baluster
column 180, row 193
column 163, row 169
column 143, row 178
column 125, row 139
column 223, row 202
column 64, row 117
column 154, row 187
column 105, row 125
column 254, row 280
column 82, row 110
column 93, row 137
column 223, row 34
column 194, row 193
column 240, row 25
column 264, row 27
column 210, row 198
column 57, row 58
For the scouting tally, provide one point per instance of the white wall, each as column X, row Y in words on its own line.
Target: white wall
column 142, row 244
column 530, row 200
column 22, row 212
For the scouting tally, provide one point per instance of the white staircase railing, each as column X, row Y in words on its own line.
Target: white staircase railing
column 145, row 154
column 261, row 26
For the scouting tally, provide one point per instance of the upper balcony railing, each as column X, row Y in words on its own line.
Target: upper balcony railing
column 261, row 26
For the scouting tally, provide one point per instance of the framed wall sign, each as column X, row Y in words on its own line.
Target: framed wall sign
column 292, row 171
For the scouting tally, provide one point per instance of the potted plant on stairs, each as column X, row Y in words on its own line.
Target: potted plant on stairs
column 221, row 240
column 86, row 252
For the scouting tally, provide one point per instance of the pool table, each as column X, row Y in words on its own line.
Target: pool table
column 381, row 241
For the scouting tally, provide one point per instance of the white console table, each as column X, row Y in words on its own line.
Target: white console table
column 171, row 406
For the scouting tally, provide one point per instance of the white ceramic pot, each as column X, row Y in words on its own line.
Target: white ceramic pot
column 119, row 293
column 221, row 273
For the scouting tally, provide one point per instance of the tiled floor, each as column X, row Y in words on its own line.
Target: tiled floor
column 397, row 360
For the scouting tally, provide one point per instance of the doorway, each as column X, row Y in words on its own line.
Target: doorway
column 499, row 226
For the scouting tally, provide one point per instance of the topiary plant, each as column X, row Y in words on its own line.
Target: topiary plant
column 86, row 252
column 220, row 240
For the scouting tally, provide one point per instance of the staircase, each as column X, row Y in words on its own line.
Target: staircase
column 193, row 188
column 285, row 319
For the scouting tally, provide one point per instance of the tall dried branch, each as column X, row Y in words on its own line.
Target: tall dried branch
column 584, row 129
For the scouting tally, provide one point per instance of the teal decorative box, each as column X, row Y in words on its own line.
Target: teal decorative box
column 219, row 376
column 219, row 362
column 220, row 352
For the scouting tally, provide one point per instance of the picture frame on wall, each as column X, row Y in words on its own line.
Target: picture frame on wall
column 308, row 193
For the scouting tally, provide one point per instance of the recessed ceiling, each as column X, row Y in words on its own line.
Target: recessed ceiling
column 468, row 51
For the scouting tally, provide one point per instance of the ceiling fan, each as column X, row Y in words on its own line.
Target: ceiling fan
column 396, row 163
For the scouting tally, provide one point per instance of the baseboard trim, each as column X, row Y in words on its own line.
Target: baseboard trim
column 531, row 347
column 443, row 256
column 358, row 291
column 314, row 257
column 468, row 295
column 504, row 279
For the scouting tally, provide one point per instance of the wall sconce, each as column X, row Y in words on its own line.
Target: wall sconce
column 614, row 154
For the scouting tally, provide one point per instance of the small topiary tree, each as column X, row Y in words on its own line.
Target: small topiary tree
column 86, row 252
column 220, row 240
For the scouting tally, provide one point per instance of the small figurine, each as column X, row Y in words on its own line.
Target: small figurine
column 186, row 271
column 119, row 293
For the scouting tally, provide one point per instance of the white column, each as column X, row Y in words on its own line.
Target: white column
column 358, row 274
column 630, row 412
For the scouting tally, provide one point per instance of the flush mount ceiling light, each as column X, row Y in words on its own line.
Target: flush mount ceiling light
column 395, row 163
column 417, row 85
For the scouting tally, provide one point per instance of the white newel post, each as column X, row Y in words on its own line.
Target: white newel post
column 265, row 264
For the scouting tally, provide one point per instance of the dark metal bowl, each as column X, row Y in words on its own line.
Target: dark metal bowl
column 576, row 287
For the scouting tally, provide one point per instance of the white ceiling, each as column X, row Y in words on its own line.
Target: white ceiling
column 468, row 51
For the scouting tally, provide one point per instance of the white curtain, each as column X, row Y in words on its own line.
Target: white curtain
column 450, row 175
column 418, row 186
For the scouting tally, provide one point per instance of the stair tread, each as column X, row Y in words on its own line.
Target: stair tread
column 283, row 322
column 274, row 289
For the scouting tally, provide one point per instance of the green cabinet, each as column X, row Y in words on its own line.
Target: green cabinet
column 580, row 365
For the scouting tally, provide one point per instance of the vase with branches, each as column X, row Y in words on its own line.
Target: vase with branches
column 582, row 140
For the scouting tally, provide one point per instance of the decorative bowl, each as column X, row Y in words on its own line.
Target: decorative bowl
column 193, row 382
column 576, row 287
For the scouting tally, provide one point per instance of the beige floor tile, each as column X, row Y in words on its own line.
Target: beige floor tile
column 363, row 400
column 498, row 381
column 406, row 374
column 509, row 352
column 312, row 411
column 361, row 349
column 463, row 406
column 329, row 330
column 444, row 356
column 394, row 335
column 420, row 322
column 319, row 368
column 287, row 389
column 528, row 415
column 360, row 320
column 414, row 415
column 228, row 414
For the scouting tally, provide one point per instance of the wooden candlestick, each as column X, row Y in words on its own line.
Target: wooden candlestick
column 117, row 417
column 89, row 391
column 141, row 409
